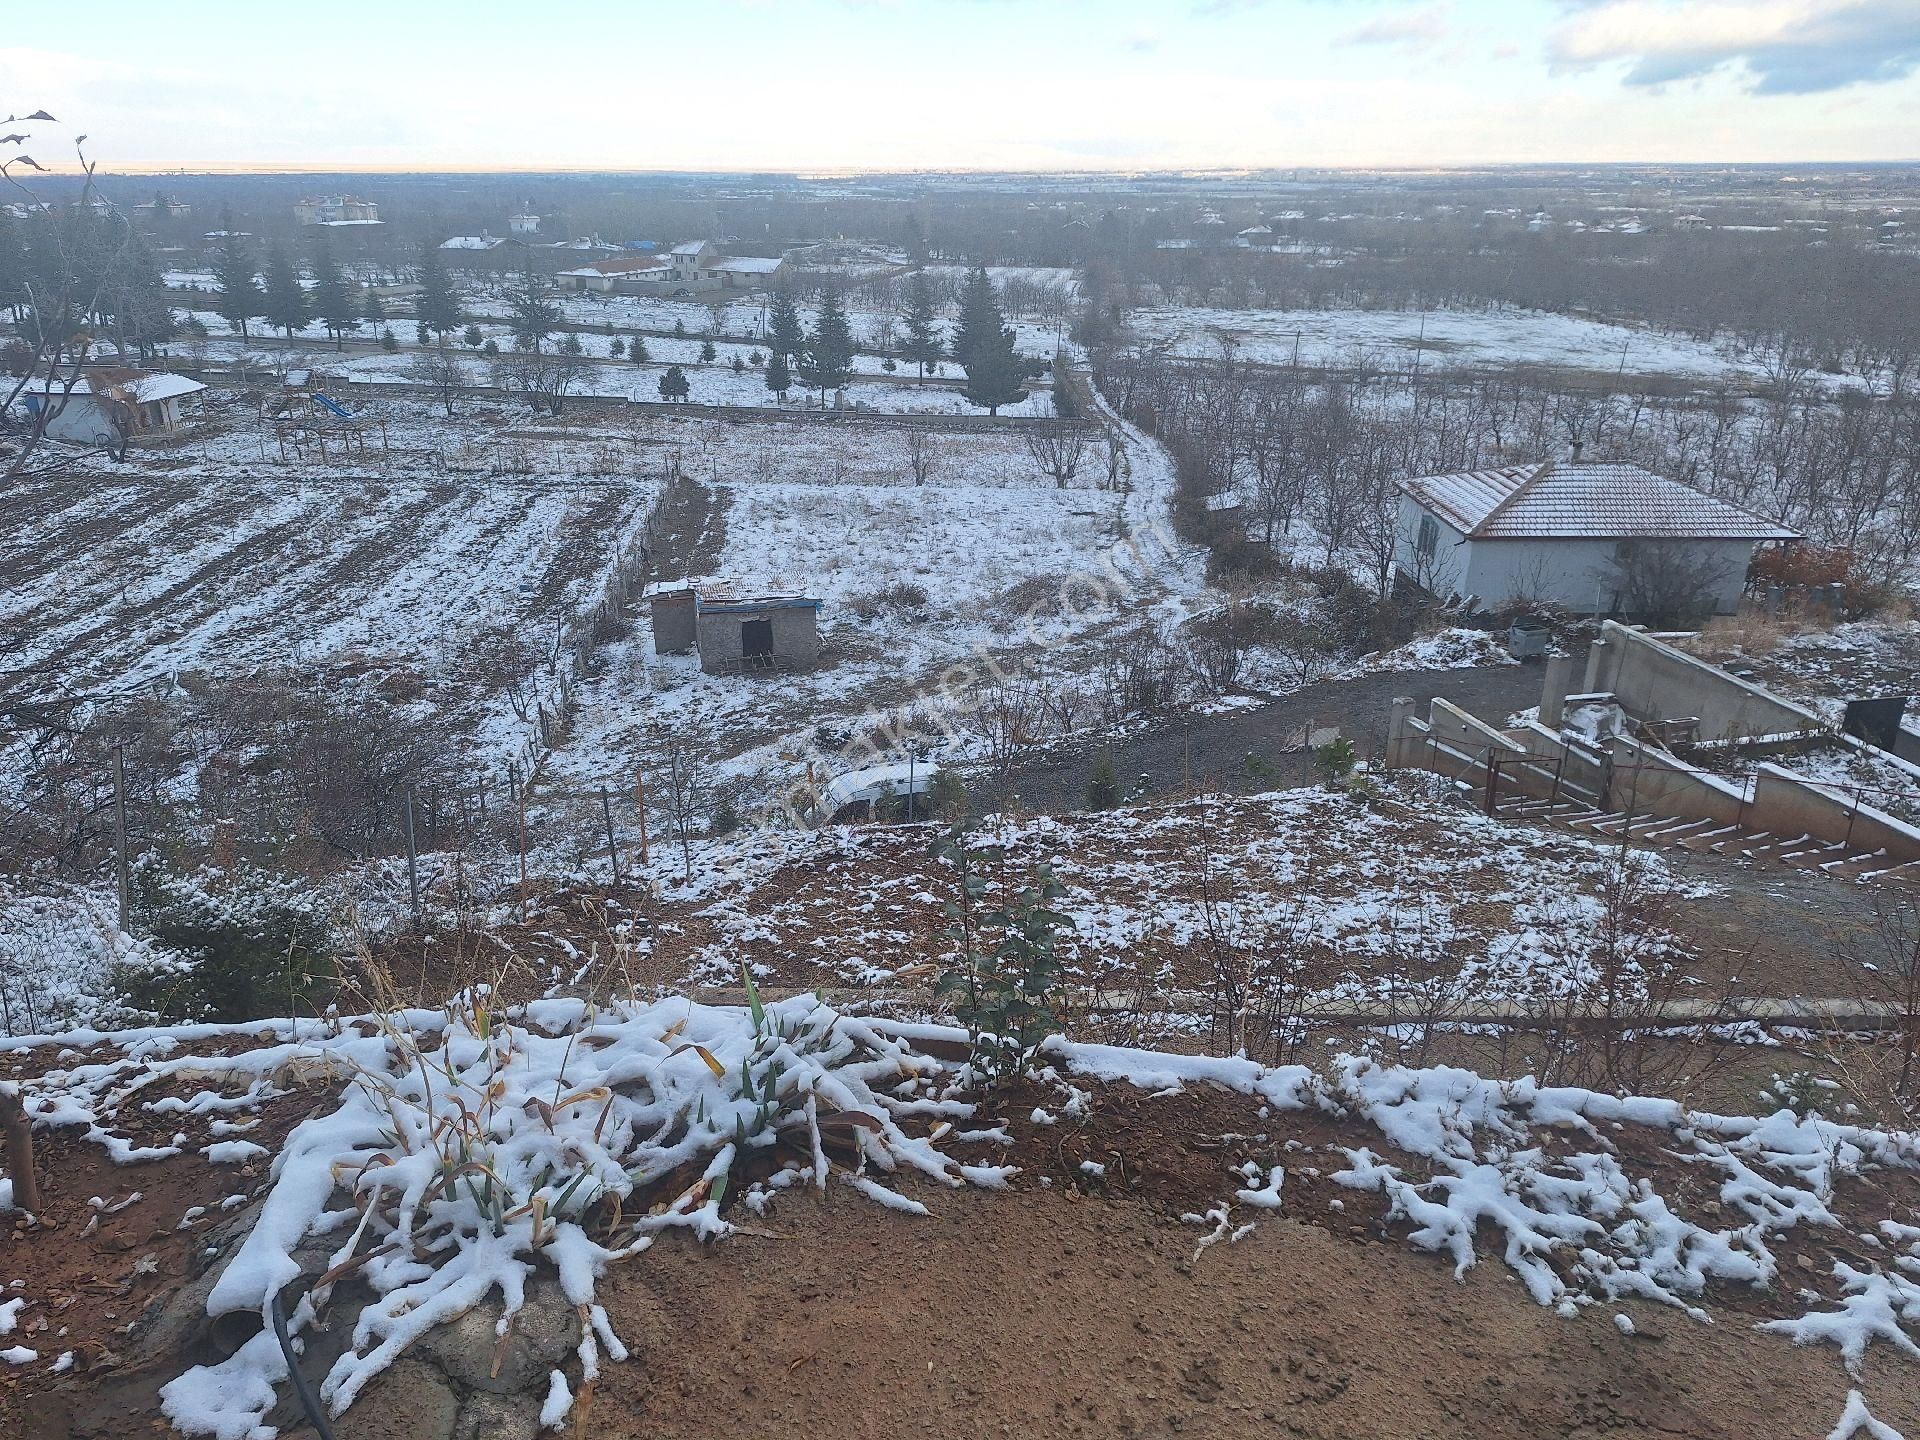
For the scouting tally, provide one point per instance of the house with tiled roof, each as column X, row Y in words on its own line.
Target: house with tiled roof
column 1587, row 538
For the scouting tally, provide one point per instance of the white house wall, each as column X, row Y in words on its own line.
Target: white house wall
column 1573, row 574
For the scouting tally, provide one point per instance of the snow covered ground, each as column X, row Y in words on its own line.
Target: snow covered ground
column 1474, row 339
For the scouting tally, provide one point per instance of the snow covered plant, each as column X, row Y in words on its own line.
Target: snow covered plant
column 1002, row 980
column 460, row 1157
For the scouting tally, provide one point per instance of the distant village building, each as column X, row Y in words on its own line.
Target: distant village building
column 111, row 405
column 733, row 627
column 336, row 210
column 621, row 274
column 1571, row 535
column 163, row 207
column 523, row 224
column 482, row 241
column 699, row 264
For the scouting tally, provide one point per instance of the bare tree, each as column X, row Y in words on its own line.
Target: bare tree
column 681, row 789
column 443, row 372
column 1058, row 450
column 923, row 454
column 1662, row 582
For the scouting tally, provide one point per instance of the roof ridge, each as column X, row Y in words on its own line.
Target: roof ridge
column 1501, row 506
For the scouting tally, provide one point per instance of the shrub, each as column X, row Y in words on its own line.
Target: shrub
column 947, row 795
column 901, row 595
column 1004, row 977
column 726, row 819
column 1335, row 760
column 253, row 943
column 1103, row 786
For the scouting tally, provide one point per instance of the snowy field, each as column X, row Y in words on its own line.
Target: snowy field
column 1473, row 339
column 132, row 578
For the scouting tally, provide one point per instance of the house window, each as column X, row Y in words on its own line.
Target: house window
column 1429, row 538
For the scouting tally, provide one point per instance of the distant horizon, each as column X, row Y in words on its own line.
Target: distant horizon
column 191, row 170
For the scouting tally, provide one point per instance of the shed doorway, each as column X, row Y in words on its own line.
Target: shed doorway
column 756, row 639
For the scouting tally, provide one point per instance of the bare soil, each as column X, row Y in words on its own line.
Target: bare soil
column 1049, row 1313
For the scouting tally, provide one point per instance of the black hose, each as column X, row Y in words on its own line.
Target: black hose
column 309, row 1402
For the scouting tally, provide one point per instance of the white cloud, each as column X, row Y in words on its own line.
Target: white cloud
column 1785, row 46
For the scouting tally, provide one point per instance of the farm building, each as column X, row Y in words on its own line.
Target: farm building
column 699, row 263
column 336, row 210
column 1604, row 539
column 525, row 223
column 735, row 627
column 110, row 406
column 482, row 241
column 621, row 274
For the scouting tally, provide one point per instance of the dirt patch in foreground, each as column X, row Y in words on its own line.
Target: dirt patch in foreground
column 1046, row 1313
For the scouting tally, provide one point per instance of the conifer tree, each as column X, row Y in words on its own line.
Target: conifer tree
column 616, row 347
column 375, row 309
column 137, row 297
column 637, row 351
column 332, row 300
column 673, row 384
column 534, row 317
column 285, row 303
column 707, row 352
column 983, row 345
column 237, row 295
column 787, row 341
column 923, row 346
column 471, row 337
column 438, row 306
column 779, row 379
column 828, row 361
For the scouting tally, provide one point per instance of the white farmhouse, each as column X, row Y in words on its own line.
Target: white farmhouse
column 1600, row 538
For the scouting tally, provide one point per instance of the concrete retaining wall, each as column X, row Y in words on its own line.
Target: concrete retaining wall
column 1649, row 782
column 1654, row 681
column 1788, row 805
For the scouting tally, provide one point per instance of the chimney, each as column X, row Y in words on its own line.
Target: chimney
column 1576, row 452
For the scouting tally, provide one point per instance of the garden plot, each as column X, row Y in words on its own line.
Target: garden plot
column 1472, row 339
column 120, row 580
column 1352, row 899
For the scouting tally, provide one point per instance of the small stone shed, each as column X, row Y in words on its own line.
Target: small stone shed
column 736, row 627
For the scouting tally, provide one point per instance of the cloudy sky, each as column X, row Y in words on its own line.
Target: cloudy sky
column 1030, row 84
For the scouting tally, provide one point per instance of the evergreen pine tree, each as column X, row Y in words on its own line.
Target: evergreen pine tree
column 922, row 347
column 679, row 328
column 637, row 351
column 237, row 295
column 707, row 352
column 673, row 384
column 616, row 347
column 1103, row 787
column 570, row 344
column 534, row 317
column 142, row 311
column 787, row 339
column 438, row 306
column 389, row 341
column 471, row 337
column 828, row 361
column 983, row 345
column 779, row 379
column 285, row 304
column 375, row 310
column 332, row 300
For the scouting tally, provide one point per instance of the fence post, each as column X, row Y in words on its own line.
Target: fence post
column 413, row 863
column 1493, row 777
column 122, row 881
column 613, row 850
column 640, row 804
